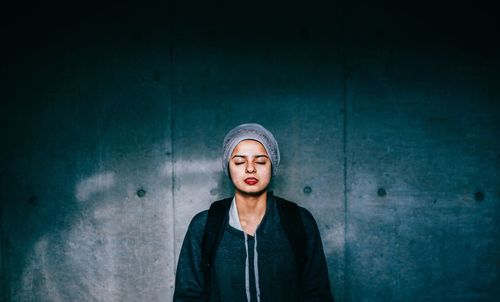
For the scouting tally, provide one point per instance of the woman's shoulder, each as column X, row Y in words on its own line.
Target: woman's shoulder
column 198, row 221
column 200, row 217
column 306, row 216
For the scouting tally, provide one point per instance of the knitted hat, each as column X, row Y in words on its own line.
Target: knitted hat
column 250, row 131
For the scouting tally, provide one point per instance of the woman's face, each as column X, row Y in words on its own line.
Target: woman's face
column 250, row 167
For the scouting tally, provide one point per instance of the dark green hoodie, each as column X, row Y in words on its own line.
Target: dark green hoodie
column 277, row 272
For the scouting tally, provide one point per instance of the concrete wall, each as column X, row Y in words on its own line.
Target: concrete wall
column 113, row 116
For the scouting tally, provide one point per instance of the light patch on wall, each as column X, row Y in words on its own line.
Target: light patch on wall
column 94, row 184
column 37, row 279
column 333, row 239
column 192, row 167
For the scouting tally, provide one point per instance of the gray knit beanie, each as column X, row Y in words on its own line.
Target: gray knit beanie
column 250, row 131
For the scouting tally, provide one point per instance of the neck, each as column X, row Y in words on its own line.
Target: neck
column 251, row 205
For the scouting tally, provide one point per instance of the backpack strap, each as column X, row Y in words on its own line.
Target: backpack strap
column 291, row 220
column 214, row 229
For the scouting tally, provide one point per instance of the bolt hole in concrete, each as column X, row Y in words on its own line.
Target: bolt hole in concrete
column 307, row 189
column 479, row 196
column 381, row 192
column 141, row 193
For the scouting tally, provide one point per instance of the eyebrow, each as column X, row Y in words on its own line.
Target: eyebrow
column 244, row 156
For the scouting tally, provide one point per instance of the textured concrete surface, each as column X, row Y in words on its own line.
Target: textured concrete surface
column 113, row 116
column 422, row 125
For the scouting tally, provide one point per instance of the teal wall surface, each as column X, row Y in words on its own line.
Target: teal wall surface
column 387, row 116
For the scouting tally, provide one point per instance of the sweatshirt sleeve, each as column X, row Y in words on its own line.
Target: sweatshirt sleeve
column 189, row 278
column 315, row 282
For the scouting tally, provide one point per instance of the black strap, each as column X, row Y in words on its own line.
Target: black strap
column 294, row 228
column 214, row 229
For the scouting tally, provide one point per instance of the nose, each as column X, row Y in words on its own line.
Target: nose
column 250, row 168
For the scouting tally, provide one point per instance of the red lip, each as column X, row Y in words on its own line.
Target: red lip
column 251, row 181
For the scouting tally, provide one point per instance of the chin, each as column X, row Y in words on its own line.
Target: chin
column 253, row 191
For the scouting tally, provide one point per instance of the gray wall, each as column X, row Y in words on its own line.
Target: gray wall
column 113, row 116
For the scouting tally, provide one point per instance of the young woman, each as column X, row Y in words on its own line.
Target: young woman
column 262, row 251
